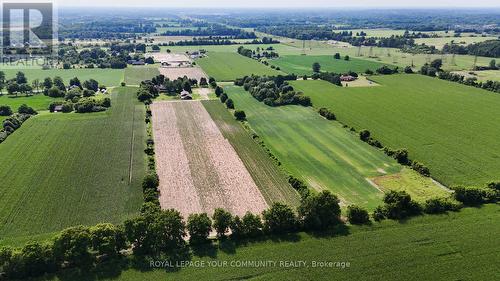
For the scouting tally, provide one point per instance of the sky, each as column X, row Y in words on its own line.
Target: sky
column 285, row 3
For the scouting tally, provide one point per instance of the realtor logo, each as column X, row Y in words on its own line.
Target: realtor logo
column 28, row 29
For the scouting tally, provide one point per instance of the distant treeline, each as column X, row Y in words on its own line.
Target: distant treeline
column 212, row 30
column 219, row 41
column 111, row 28
column 490, row 48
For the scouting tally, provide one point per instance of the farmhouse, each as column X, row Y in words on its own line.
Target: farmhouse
column 347, row 78
column 136, row 62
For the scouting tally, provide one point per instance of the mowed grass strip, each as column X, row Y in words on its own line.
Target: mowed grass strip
column 107, row 77
column 134, row 75
column 455, row 246
column 229, row 66
column 320, row 152
column 37, row 102
column 451, row 128
column 271, row 181
column 302, row 65
column 60, row 170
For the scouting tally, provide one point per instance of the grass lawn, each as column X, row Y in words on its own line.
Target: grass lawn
column 37, row 102
column 451, row 128
column 229, row 66
column 107, row 77
column 301, row 65
column 320, row 152
column 60, row 170
column 271, row 181
column 456, row 246
column 441, row 41
column 134, row 75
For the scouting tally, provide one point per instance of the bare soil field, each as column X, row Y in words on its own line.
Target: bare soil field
column 176, row 72
column 199, row 170
column 168, row 57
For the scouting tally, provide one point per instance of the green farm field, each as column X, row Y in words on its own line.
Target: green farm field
column 134, row 75
column 60, row 170
column 271, row 181
column 451, row 128
column 229, row 66
column 38, row 102
column 106, row 77
column 441, row 41
column 320, row 152
column 302, row 65
column 455, row 246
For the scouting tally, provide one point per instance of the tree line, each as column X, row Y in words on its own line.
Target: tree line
column 212, row 30
column 273, row 90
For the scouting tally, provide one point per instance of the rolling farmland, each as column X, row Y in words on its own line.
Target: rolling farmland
column 270, row 180
column 455, row 246
column 198, row 168
column 320, row 152
column 229, row 66
column 60, row 170
column 451, row 128
column 302, row 65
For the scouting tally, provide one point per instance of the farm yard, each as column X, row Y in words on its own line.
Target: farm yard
column 229, row 66
column 320, row 152
column 449, row 127
column 443, row 247
column 302, row 65
column 198, row 168
column 60, row 170
column 175, row 72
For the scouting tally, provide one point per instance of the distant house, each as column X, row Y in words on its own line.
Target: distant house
column 185, row 95
column 58, row 108
column 347, row 78
column 161, row 89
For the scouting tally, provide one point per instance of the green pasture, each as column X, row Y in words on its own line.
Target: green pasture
column 107, row 77
column 320, row 152
column 302, row 65
column 229, row 66
column 60, row 170
column 37, row 102
column 134, row 75
column 451, row 128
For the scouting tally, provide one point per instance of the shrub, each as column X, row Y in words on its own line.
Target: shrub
column 107, row 239
column 408, row 70
column 55, row 92
column 240, row 115
column 5, row 110
column 378, row 213
column 279, row 219
column 223, row 97
column 325, row 112
column 72, row 246
column 222, row 221
column 440, row 205
column 364, row 135
column 299, row 185
column 469, row 195
column 199, row 227
column 252, row 225
column 218, row 91
column 24, row 109
column 421, row 168
column 357, row 215
column 150, row 181
column 399, row 205
column 319, row 211
column 123, row 84
column 229, row 104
